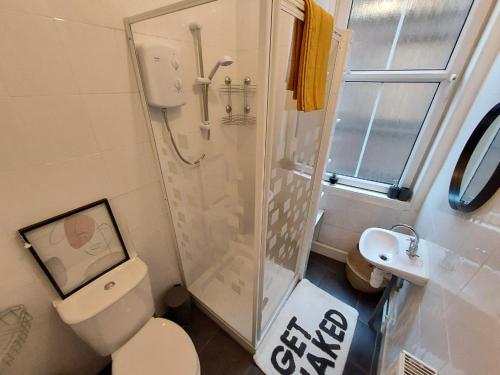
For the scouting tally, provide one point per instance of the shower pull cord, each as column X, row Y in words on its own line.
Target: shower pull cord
column 177, row 151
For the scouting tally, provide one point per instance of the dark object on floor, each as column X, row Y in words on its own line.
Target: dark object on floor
column 178, row 305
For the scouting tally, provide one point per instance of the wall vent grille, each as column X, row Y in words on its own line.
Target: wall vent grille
column 410, row 365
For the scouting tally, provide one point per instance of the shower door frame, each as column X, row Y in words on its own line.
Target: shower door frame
column 268, row 11
column 334, row 88
column 261, row 128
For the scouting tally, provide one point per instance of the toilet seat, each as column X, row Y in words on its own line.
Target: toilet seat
column 160, row 347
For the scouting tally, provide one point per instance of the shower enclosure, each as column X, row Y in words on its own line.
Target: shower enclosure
column 241, row 167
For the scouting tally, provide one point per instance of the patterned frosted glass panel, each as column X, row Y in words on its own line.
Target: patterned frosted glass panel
column 355, row 109
column 213, row 205
column 398, row 118
column 295, row 144
column 374, row 25
column 429, row 33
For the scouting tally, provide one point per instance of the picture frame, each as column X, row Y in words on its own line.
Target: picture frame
column 76, row 247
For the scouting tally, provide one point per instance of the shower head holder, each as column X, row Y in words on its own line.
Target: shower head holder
column 203, row 81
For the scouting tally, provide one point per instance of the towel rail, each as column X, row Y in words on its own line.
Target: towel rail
column 293, row 7
column 296, row 8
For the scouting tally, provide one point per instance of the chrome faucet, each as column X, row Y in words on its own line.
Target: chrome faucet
column 412, row 249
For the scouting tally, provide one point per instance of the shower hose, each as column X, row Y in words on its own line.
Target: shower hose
column 177, row 151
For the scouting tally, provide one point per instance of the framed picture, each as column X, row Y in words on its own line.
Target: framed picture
column 76, row 247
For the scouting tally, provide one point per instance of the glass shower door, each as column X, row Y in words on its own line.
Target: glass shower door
column 212, row 203
column 293, row 151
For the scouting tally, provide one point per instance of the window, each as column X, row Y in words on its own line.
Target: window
column 402, row 62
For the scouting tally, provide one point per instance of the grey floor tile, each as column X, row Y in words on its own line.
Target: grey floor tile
column 222, row 355
column 363, row 346
column 201, row 329
column 339, row 287
column 353, row 369
column 366, row 305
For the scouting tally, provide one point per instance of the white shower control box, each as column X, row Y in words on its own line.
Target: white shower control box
column 161, row 73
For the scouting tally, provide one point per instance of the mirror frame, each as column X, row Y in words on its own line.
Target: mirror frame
column 490, row 188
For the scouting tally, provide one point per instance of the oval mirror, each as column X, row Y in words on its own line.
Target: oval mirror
column 477, row 174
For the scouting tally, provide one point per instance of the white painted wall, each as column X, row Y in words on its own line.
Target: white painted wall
column 453, row 323
column 72, row 131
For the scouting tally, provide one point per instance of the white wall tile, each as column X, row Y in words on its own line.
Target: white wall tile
column 33, row 59
column 483, row 290
column 3, row 91
column 133, row 7
column 338, row 237
column 13, row 145
column 117, row 119
column 28, row 6
column 140, row 207
column 55, row 128
column 60, row 149
column 155, row 246
column 129, row 168
column 36, row 193
column 99, row 57
column 473, row 337
column 102, row 13
column 449, row 269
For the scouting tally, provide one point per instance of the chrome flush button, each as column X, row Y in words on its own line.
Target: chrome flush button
column 109, row 285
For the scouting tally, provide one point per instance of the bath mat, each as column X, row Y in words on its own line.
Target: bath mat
column 311, row 335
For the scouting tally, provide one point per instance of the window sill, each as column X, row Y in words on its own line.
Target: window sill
column 368, row 196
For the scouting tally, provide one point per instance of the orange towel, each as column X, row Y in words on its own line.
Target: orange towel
column 309, row 62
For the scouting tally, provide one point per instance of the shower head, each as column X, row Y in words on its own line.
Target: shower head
column 223, row 61
column 194, row 26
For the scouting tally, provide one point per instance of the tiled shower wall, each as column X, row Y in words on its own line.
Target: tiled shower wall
column 453, row 323
column 72, row 131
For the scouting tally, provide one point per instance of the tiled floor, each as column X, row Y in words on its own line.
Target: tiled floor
column 221, row 355
column 329, row 275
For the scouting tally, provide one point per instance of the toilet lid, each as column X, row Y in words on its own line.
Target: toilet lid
column 160, row 347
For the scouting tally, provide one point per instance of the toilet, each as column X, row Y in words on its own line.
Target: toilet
column 114, row 315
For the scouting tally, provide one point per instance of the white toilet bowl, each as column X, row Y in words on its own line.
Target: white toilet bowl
column 113, row 315
column 160, row 347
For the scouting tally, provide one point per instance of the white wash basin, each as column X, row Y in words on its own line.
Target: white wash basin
column 386, row 250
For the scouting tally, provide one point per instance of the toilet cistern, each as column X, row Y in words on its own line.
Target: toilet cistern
column 413, row 246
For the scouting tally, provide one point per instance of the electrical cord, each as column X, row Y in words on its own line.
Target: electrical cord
column 192, row 163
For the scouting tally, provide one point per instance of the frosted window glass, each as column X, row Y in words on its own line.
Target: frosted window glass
column 399, row 116
column 429, row 33
column 373, row 25
column 354, row 114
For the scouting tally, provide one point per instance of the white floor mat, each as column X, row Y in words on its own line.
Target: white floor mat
column 311, row 335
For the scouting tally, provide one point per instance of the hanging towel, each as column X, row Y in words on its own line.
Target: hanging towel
column 309, row 60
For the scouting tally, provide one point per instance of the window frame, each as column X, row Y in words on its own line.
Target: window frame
column 447, row 80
